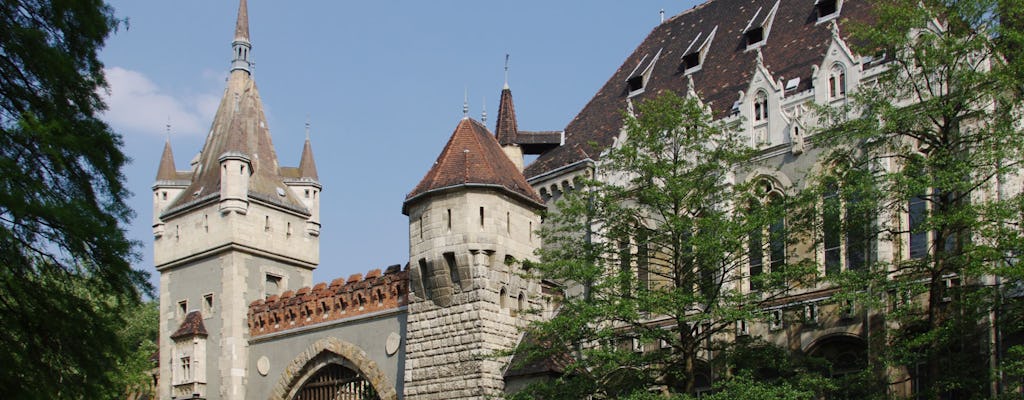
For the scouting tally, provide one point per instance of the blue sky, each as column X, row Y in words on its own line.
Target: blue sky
column 382, row 83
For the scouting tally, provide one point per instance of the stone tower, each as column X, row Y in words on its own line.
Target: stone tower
column 235, row 228
column 471, row 223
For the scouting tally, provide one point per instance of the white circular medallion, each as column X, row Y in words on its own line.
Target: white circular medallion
column 263, row 365
column 391, row 345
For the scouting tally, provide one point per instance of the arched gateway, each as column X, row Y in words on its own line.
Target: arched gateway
column 332, row 369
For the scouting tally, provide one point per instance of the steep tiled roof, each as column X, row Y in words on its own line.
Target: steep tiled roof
column 166, row 171
column 307, row 167
column 506, row 128
column 239, row 127
column 473, row 157
column 795, row 43
column 191, row 326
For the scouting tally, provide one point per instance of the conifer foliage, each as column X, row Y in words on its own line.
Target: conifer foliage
column 65, row 269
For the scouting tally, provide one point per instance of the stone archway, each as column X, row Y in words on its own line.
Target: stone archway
column 326, row 352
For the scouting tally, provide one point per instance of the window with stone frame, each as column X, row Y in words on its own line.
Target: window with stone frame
column 837, row 82
column 766, row 245
column 847, row 230
column 760, row 106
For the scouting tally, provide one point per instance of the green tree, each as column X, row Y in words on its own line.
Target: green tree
column 65, row 271
column 654, row 254
column 926, row 158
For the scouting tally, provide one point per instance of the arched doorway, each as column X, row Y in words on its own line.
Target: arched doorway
column 336, row 382
column 332, row 369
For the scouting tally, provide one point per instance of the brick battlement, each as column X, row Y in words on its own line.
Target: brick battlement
column 358, row 295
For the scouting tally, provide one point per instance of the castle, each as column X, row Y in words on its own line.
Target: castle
column 236, row 237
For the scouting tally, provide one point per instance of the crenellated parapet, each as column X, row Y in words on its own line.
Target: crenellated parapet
column 343, row 298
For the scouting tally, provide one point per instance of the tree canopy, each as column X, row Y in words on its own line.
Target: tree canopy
column 928, row 158
column 65, row 262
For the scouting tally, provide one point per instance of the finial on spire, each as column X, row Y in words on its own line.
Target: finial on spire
column 465, row 104
column 241, row 46
column 662, row 14
column 483, row 114
column 307, row 127
column 506, row 71
column 168, row 128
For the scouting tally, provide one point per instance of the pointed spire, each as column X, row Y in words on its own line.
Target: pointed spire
column 506, row 128
column 166, row 171
column 506, row 72
column 242, row 26
column 307, row 167
column 241, row 46
column 483, row 114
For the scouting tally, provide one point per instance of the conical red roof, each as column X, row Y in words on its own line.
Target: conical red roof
column 507, row 128
column 473, row 157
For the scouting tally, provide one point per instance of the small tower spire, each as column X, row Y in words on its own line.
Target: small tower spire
column 506, row 71
column 241, row 46
column 483, row 114
column 307, row 127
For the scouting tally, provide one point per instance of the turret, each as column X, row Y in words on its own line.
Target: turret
column 507, row 129
column 306, row 187
column 168, row 186
column 235, row 171
column 471, row 222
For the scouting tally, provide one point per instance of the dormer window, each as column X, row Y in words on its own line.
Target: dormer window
column 691, row 60
column 827, row 9
column 638, row 78
column 759, row 26
column 754, row 36
column 635, row 83
column 693, row 57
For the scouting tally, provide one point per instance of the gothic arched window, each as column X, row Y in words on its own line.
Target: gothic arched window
column 761, row 106
column 837, row 82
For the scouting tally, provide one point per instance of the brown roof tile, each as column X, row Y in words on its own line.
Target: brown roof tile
column 473, row 157
column 794, row 44
column 191, row 326
column 506, row 128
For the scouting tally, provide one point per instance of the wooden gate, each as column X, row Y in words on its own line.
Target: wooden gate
column 336, row 382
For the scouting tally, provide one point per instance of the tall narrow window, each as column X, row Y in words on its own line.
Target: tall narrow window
column 208, row 304
column 449, row 220
column 186, row 369
column 917, row 211
column 453, row 268
column 508, row 222
column 761, row 106
column 625, row 267
column 426, row 281
column 755, row 245
column 837, row 82
column 831, row 230
column 481, row 218
column 777, row 240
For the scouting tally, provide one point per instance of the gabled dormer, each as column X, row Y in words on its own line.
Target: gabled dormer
column 827, row 10
column 693, row 57
column 755, row 34
column 641, row 74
